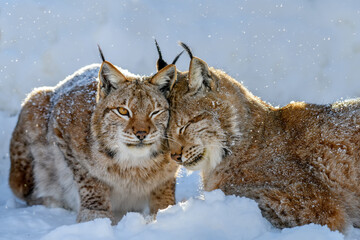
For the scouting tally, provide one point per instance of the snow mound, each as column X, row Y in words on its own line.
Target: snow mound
column 215, row 217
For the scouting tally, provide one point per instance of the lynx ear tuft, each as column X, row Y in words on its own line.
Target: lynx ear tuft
column 101, row 53
column 110, row 77
column 199, row 73
column 165, row 78
column 160, row 64
column 177, row 57
column 187, row 49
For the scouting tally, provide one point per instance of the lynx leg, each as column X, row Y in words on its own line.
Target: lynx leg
column 163, row 196
column 30, row 129
column 21, row 178
column 303, row 206
column 94, row 199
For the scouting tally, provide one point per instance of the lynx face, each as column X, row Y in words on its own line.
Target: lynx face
column 199, row 120
column 131, row 114
column 196, row 138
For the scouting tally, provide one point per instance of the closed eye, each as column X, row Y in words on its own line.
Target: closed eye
column 156, row 113
column 183, row 128
column 195, row 119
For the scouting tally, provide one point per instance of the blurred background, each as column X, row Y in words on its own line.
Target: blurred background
column 305, row 50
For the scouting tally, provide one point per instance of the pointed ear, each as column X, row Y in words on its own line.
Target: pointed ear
column 165, row 78
column 109, row 77
column 200, row 76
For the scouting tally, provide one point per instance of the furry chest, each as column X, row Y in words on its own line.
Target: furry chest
column 131, row 181
column 125, row 199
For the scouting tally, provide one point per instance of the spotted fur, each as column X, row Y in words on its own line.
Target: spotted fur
column 300, row 163
column 72, row 148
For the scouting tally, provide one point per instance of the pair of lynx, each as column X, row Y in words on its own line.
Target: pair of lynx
column 100, row 147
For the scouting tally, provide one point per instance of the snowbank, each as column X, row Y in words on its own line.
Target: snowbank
column 216, row 217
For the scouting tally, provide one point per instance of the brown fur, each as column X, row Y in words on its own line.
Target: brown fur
column 72, row 148
column 300, row 163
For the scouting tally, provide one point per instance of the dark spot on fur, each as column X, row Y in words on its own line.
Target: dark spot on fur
column 110, row 153
column 165, row 88
column 58, row 133
column 106, row 111
column 155, row 154
column 226, row 152
column 283, row 213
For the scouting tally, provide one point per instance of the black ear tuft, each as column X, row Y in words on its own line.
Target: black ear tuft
column 187, row 48
column 160, row 64
column 177, row 57
column 101, row 53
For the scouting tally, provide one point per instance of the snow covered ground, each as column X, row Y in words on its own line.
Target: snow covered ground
column 281, row 50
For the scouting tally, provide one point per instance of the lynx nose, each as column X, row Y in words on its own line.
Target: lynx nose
column 176, row 157
column 141, row 135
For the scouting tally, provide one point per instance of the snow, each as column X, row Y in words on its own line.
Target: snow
column 215, row 217
column 283, row 51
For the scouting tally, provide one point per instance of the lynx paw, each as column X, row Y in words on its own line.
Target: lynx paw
column 86, row 215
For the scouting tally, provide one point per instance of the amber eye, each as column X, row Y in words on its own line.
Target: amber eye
column 123, row 111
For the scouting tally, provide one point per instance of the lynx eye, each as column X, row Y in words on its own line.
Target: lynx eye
column 156, row 112
column 122, row 112
column 183, row 128
column 194, row 120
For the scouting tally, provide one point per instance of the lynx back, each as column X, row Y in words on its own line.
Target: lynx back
column 301, row 163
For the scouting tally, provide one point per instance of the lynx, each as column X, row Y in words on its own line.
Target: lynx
column 96, row 145
column 300, row 163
